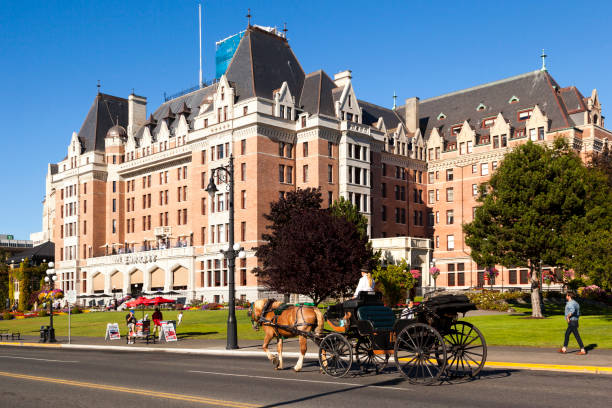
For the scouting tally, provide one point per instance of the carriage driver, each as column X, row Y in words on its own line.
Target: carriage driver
column 366, row 284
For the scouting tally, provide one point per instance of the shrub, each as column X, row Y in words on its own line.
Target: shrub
column 76, row 310
column 43, row 313
column 212, row 306
column 7, row 316
column 592, row 292
column 576, row 283
column 490, row 300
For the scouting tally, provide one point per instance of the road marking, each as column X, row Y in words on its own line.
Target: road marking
column 147, row 393
column 14, row 343
column 553, row 367
column 301, row 380
column 40, row 359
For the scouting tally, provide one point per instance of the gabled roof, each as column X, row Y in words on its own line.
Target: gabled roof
column 532, row 88
column 261, row 63
column 317, row 94
column 572, row 99
column 189, row 104
column 372, row 112
column 105, row 112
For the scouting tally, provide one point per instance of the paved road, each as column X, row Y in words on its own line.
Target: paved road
column 44, row 377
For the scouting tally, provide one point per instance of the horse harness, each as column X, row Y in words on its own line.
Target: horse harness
column 263, row 321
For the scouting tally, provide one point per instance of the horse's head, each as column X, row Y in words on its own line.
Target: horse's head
column 255, row 312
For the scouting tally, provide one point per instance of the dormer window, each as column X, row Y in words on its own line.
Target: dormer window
column 487, row 122
column 441, row 116
column 481, row 107
column 514, row 99
column 524, row 114
column 455, row 130
column 282, row 111
column 349, row 116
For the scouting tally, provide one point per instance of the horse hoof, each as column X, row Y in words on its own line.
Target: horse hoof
column 275, row 362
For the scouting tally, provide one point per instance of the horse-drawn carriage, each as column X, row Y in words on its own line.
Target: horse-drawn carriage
column 431, row 343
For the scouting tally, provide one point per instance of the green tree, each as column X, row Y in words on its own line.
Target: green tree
column 394, row 281
column 602, row 162
column 344, row 208
column 531, row 209
column 590, row 236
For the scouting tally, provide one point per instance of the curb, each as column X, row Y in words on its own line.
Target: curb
column 311, row 356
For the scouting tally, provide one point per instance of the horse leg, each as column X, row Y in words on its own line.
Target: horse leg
column 264, row 346
column 280, row 353
column 303, row 342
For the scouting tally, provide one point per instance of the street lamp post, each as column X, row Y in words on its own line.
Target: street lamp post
column 50, row 279
column 233, row 250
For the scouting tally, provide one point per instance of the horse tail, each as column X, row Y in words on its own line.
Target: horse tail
column 320, row 323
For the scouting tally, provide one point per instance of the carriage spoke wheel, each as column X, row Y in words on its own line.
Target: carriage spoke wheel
column 335, row 355
column 367, row 358
column 467, row 350
column 420, row 354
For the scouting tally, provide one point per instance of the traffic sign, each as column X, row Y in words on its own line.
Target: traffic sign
column 71, row 296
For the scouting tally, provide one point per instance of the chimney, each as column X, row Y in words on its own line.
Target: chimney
column 342, row 78
column 412, row 114
column 137, row 113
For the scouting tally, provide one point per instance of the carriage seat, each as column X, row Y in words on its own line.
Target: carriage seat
column 375, row 319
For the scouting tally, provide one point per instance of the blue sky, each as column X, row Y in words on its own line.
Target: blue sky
column 53, row 52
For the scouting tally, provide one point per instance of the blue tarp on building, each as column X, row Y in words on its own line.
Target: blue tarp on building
column 224, row 53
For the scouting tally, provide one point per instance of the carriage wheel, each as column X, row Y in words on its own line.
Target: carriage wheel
column 420, row 353
column 367, row 358
column 467, row 350
column 335, row 355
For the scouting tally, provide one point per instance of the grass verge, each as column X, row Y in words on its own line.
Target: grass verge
column 499, row 330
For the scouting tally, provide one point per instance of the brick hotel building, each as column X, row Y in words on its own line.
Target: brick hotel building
column 127, row 210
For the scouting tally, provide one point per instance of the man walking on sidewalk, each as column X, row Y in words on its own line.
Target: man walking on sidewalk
column 572, row 313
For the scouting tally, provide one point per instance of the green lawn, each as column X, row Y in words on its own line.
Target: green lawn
column 499, row 330
column 519, row 330
column 209, row 324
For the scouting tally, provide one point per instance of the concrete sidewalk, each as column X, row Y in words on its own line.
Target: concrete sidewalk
column 597, row 361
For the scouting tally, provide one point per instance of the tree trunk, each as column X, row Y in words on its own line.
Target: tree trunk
column 536, row 305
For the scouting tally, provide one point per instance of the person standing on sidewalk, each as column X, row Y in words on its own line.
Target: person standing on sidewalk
column 572, row 313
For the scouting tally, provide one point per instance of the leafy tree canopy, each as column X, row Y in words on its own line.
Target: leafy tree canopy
column 536, row 201
column 344, row 208
column 310, row 251
column 394, row 281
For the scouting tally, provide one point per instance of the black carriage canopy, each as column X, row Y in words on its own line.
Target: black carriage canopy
column 450, row 303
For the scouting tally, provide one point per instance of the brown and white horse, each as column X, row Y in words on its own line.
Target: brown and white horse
column 289, row 323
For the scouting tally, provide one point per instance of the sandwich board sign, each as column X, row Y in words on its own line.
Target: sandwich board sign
column 169, row 331
column 112, row 331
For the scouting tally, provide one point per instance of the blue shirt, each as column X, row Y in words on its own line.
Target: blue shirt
column 572, row 307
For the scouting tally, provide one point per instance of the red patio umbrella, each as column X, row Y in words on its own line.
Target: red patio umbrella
column 140, row 301
column 159, row 300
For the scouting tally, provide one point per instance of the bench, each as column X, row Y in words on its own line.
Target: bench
column 5, row 334
column 143, row 332
column 373, row 319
